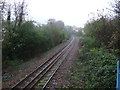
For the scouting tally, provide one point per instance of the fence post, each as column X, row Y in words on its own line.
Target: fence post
column 118, row 76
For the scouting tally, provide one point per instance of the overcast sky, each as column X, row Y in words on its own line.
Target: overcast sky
column 71, row 12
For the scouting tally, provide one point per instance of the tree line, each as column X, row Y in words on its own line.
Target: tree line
column 100, row 51
column 106, row 30
column 23, row 39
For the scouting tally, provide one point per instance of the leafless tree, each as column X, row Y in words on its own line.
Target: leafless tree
column 20, row 12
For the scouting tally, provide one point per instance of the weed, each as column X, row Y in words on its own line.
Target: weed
column 13, row 63
column 96, row 68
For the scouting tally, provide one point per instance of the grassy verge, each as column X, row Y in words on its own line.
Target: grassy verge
column 96, row 67
column 13, row 63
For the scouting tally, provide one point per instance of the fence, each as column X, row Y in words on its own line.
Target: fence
column 118, row 76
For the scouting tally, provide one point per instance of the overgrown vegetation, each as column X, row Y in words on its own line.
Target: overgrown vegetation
column 23, row 39
column 96, row 67
column 99, row 53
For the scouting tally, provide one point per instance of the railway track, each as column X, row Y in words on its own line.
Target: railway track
column 41, row 76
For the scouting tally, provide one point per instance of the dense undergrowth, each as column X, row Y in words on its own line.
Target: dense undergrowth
column 99, row 52
column 96, row 67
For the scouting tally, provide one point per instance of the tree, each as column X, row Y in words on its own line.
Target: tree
column 117, row 8
column 22, row 13
column 115, row 39
column 9, row 20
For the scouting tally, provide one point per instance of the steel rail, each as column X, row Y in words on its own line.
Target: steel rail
column 46, row 71
column 57, row 68
column 58, row 53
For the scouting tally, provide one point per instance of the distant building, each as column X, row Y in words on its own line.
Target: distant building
column 77, row 28
column 51, row 21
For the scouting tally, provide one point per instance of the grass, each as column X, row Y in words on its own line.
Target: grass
column 40, row 83
column 18, row 63
column 75, row 77
column 13, row 63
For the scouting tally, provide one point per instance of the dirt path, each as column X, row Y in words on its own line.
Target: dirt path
column 60, row 79
column 17, row 73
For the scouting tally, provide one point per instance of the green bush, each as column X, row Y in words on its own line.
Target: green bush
column 95, row 69
column 105, row 30
column 100, row 69
column 89, row 42
column 13, row 63
column 26, row 40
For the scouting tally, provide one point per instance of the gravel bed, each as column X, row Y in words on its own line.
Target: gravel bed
column 60, row 79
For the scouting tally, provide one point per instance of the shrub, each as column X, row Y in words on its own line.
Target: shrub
column 28, row 39
column 100, row 69
column 96, row 66
column 13, row 63
column 89, row 42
